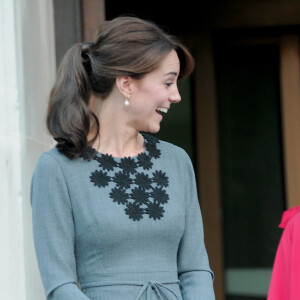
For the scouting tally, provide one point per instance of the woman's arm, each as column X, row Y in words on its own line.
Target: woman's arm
column 196, row 277
column 53, row 231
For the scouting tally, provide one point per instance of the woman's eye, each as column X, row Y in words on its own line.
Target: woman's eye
column 169, row 83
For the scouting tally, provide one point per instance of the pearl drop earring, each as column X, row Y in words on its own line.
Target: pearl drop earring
column 126, row 102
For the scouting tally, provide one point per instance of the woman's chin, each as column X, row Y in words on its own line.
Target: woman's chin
column 153, row 129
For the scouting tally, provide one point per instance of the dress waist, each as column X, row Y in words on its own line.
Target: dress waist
column 160, row 287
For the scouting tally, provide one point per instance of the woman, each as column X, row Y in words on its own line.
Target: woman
column 115, row 211
column 285, row 280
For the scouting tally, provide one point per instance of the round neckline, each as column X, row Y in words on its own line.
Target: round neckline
column 98, row 153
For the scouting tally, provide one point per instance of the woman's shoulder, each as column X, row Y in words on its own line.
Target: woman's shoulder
column 165, row 145
column 52, row 155
column 170, row 154
column 53, row 159
column 289, row 216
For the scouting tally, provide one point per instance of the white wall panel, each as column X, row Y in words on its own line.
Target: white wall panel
column 27, row 59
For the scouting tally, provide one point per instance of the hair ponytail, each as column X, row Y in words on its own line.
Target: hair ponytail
column 68, row 117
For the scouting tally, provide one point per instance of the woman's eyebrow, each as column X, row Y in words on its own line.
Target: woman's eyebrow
column 171, row 73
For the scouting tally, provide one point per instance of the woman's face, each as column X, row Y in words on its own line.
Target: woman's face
column 153, row 95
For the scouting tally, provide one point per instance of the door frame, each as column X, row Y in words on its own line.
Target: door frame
column 207, row 149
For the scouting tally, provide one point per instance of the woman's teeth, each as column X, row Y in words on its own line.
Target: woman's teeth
column 162, row 109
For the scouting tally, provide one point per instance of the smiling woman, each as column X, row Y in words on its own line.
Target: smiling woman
column 115, row 210
column 122, row 65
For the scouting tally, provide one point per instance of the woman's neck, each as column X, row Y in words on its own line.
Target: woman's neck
column 119, row 144
column 115, row 137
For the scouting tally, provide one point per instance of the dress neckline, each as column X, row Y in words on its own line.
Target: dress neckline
column 119, row 158
column 150, row 150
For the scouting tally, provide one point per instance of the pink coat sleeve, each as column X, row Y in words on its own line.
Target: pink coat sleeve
column 285, row 280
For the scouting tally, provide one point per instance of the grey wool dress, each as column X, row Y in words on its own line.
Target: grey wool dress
column 110, row 228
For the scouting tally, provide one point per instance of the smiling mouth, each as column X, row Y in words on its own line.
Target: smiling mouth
column 161, row 110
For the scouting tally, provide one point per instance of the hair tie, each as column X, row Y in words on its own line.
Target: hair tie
column 86, row 47
column 85, row 54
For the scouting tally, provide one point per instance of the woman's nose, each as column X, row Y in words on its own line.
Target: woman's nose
column 175, row 96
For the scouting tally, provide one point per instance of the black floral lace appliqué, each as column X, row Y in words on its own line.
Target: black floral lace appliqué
column 106, row 162
column 159, row 195
column 128, row 165
column 155, row 211
column 144, row 160
column 134, row 211
column 122, row 179
column 141, row 194
column 143, row 181
column 119, row 195
column 160, row 178
column 100, row 178
column 153, row 151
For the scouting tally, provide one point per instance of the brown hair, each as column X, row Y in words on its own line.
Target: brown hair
column 123, row 46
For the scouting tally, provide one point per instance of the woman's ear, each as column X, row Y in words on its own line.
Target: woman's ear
column 125, row 85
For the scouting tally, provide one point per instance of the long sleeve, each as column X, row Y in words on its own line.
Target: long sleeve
column 196, row 278
column 285, row 280
column 53, row 230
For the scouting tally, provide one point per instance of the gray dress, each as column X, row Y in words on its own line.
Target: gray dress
column 120, row 228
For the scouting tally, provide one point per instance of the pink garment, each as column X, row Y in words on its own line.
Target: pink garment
column 285, row 280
